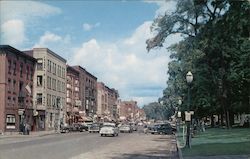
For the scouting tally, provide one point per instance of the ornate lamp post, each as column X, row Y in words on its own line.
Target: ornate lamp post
column 189, row 78
column 178, row 114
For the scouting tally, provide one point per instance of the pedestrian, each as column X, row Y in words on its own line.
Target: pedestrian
column 27, row 128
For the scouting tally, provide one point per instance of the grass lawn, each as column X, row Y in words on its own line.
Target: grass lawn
column 216, row 141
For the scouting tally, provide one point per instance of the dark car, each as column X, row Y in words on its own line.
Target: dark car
column 165, row 128
column 78, row 127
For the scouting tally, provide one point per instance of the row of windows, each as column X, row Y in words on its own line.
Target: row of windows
column 52, row 100
column 56, row 69
column 55, row 85
column 16, row 86
column 14, row 99
column 12, row 69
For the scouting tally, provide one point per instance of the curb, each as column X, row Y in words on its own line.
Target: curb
column 26, row 136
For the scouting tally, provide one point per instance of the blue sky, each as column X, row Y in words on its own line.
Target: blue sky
column 106, row 37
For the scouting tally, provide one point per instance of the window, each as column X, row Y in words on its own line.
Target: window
column 48, row 66
column 54, row 84
column 58, row 86
column 49, row 82
column 49, row 100
column 53, row 101
column 39, row 64
column 27, row 72
column 9, row 66
column 9, row 85
column 10, row 121
column 21, row 70
column 14, row 86
column 31, row 74
column 39, row 97
column 39, row 81
column 14, row 68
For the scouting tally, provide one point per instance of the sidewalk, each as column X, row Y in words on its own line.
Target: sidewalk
column 32, row 134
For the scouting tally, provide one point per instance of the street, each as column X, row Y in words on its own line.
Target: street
column 89, row 146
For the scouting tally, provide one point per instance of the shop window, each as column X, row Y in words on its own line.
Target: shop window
column 10, row 121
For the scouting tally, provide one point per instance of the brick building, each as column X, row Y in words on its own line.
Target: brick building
column 88, row 93
column 16, row 85
column 130, row 111
column 73, row 102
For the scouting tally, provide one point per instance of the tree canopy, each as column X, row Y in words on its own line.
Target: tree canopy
column 215, row 48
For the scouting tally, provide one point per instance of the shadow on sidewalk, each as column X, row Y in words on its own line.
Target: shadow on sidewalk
column 154, row 154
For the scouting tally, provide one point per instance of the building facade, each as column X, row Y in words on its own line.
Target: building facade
column 107, row 107
column 129, row 110
column 102, row 101
column 113, row 96
column 16, row 85
column 73, row 101
column 88, row 93
column 49, row 88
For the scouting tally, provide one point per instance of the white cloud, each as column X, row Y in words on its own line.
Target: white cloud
column 165, row 6
column 126, row 65
column 49, row 39
column 17, row 16
column 13, row 32
column 88, row 27
column 26, row 10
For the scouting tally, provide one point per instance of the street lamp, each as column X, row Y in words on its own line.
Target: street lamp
column 189, row 78
column 178, row 114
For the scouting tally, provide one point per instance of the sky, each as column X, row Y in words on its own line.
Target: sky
column 105, row 37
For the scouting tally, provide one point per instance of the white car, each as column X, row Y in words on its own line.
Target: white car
column 109, row 129
column 126, row 128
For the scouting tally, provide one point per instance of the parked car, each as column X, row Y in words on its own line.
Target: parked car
column 109, row 129
column 64, row 128
column 94, row 128
column 162, row 129
column 125, row 129
column 78, row 127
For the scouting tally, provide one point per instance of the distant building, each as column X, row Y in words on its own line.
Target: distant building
column 102, row 101
column 16, row 85
column 113, row 96
column 50, row 88
column 73, row 102
column 88, row 93
column 128, row 110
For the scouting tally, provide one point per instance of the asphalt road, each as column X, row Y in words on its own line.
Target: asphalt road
column 88, row 146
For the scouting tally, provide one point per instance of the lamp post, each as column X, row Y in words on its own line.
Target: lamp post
column 189, row 78
column 179, row 114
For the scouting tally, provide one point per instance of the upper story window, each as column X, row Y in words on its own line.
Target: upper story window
column 39, row 64
column 21, row 70
column 9, row 66
column 27, row 72
column 14, row 68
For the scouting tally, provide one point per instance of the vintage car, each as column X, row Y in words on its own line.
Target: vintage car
column 161, row 129
column 65, row 128
column 125, row 129
column 78, row 127
column 109, row 129
column 94, row 128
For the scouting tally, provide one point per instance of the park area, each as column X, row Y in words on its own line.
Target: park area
column 217, row 142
